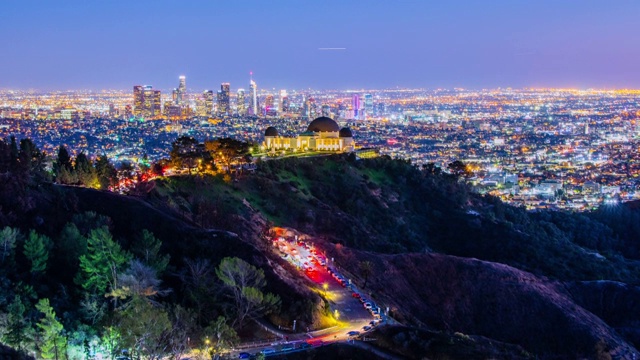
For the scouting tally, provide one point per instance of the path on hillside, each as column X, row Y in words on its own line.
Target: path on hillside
column 349, row 310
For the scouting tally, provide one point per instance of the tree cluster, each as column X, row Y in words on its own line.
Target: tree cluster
column 99, row 174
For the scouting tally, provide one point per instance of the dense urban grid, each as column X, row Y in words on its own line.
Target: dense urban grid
column 539, row 148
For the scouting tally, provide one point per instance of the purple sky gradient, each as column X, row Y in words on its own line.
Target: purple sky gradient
column 473, row 44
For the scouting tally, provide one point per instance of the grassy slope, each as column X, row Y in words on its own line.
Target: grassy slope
column 388, row 206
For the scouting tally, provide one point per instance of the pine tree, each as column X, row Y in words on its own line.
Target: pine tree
column 36, row 249
column 102, row 263
column 85, row 171
column 147, row 249
column 53, row 344
column 17, row 325
column 62, row 167
column 107, row 174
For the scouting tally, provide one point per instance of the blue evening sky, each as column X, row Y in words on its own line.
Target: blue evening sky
column 100, row 44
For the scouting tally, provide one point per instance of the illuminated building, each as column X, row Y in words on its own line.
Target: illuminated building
column 253, row 108
column 283, row 98
column 306, row 108
column 208, row 103
column 268, row 106
column 355, row 104
column 326, row 110
column 182, row 91
column 323, row 134
column 368, row 106
column 146, row 102
column 223, row 99
column 174, row 96
column 241, row 106
column 138, row 100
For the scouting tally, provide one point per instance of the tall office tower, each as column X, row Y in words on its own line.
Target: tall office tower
column 138, row 100
column 355, row 104
column 147, row 102
column 174, row 96
column 284, row 104
column 313, row 108
column 208, row 102
column 306, row 107
column 223, row 99
column 182, row 90
column 368, row 106
column 326, row 110
column 241, row 107
column 254, row 96
column 269, row 109
column 283, row 96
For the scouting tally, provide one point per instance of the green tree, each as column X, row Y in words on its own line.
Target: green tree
column 227, row 151
column 62, row 167
column 106, row 172
column 185, row 153
column 143, row 328
column 245, row 283
column 87, row 174
column 102, row 263
column 8, row 239
column 147, row 249
column 36, row 249
column 52, row 340
column 219, row 336
column 71, row 246
column 31, row 158
column 366, row 269
column 183, row 322
column 17, row 324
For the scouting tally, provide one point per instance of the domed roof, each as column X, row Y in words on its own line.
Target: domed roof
column 345, row 132
column 323, row 124
column 271, row 131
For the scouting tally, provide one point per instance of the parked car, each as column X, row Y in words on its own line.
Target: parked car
column 368, row 305
column 353, row 333
column 305, row 345
column 366, row 328
column 356, row 295
column 244, row 355
column 268, row 351
column 288, row 347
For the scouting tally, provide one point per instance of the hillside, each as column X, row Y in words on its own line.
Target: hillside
column 390, row 206
column 398, row 217
column 454, row 266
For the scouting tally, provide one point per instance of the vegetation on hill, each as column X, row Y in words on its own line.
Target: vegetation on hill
column 390, row 206
column 161, row 272
column 86, row 272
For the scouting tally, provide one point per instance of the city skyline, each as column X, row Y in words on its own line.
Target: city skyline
column 408, row 45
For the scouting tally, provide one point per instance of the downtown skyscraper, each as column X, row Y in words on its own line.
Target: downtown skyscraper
column 146, row 102
column 179, row 95
column 241, row 106
column 253, row 87
column 208, row 103
column 223, row 99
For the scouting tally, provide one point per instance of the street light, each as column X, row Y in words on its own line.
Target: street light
column 325, row 286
